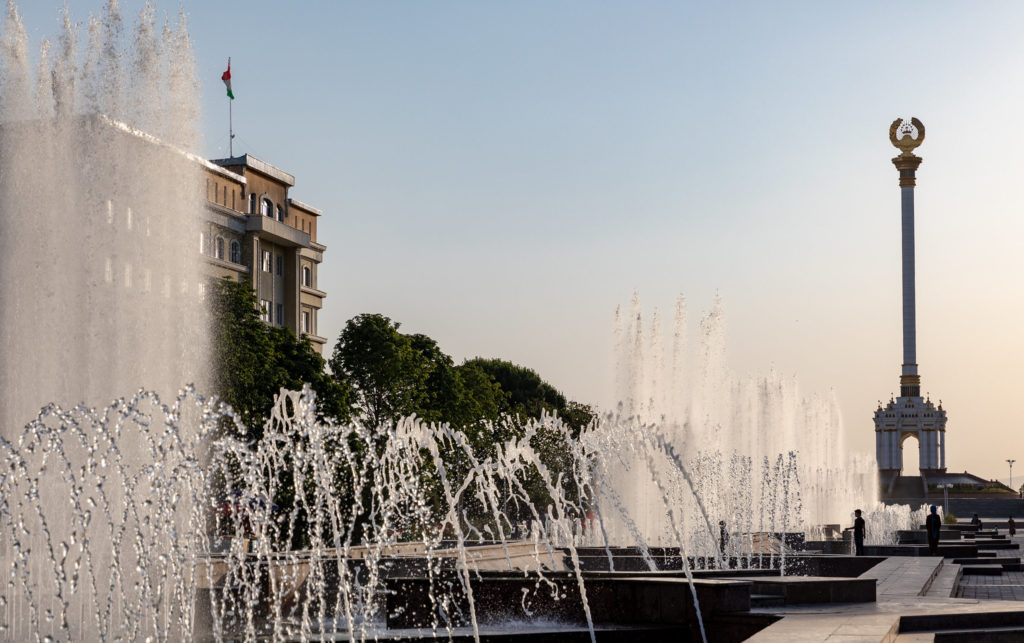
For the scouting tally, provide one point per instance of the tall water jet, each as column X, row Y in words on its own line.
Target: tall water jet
column 727, row 428
column 99, row 265
column 101, row 288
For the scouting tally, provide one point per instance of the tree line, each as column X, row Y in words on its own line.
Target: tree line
column 377, row 375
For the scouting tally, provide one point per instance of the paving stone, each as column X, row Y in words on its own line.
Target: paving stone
column 905, row 586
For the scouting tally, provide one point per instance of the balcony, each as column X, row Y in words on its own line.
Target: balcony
column 277, row 232
column 313, row 291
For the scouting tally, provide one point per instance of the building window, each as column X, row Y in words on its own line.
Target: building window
column 236, row 251
column 305, row 321
column 280, row 314
column 252, row 204
column 280, row 213
column 267, row 265
column 218, row 248
column 280, row 265
column 265, row 310
column 266, row 208
column 307, row 277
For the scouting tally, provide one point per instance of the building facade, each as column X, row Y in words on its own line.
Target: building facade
column 253, row 229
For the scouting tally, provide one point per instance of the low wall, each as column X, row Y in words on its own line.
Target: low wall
column 620, row 600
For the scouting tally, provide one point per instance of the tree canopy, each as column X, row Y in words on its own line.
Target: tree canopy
column 253, row 360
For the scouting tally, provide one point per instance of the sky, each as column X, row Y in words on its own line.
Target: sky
column 501, row 176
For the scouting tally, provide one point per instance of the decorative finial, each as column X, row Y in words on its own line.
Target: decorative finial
column 901, row 134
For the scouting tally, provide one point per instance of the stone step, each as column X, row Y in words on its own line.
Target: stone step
column 983, row 570
column 993, row 635
column 988, row 560
column 961, row 621
column 797, row 590
column 766, row 600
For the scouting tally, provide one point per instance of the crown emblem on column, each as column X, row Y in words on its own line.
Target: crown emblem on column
column 901, row 134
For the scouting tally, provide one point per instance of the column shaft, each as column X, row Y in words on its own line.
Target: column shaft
column 909, row 296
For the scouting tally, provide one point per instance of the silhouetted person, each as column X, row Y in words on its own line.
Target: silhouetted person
column 933, row 527
column 723, row 536
column 976, row 522
column 858, row 533
column 1012, row 526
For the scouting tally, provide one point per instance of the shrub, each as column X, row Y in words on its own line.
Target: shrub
column 949, row 519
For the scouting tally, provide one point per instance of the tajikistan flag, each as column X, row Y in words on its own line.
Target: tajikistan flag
column 226, row 77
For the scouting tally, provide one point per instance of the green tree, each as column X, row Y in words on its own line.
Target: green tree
column 384, row 371
column 301, row 364
column 253, row 361
column 243, row 353
column 393, row 375
column 529, row 396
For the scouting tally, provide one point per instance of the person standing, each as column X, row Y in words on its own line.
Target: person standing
column 858, row 533
column 933, row 526
column 1012, row 526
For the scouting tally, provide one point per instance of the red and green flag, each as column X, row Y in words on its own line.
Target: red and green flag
column 226, row 77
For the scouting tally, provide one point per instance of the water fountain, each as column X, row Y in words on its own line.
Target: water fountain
column 149, row 518
column 756, row 426
column 100, row 283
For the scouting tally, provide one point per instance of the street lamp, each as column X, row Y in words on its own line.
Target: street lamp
column 1010, row 462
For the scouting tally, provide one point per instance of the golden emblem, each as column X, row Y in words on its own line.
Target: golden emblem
column 901, row 133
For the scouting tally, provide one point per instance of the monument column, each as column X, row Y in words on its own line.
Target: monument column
column 909, row 415
column 907, row 164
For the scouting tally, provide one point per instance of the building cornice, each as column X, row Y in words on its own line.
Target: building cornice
column 216, row 207
column 145, row 136
column 295, row 203
column 257, row 165
column 221, row 263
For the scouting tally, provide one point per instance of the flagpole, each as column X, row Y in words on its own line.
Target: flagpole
column 231, row 127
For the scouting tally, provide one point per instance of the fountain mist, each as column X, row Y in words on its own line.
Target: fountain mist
column 744, row 438
column 99, row 269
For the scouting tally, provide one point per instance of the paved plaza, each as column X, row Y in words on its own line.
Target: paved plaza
column 1009, row 586
column 907, row 586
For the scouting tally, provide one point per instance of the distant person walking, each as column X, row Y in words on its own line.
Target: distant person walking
column 976, row 522
column 858, row 533
column 1012, row 526
column 933, row 527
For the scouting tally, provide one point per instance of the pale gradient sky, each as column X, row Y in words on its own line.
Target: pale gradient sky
column 500, row 176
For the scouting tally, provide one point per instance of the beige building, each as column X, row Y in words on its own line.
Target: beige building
column 255, row 230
